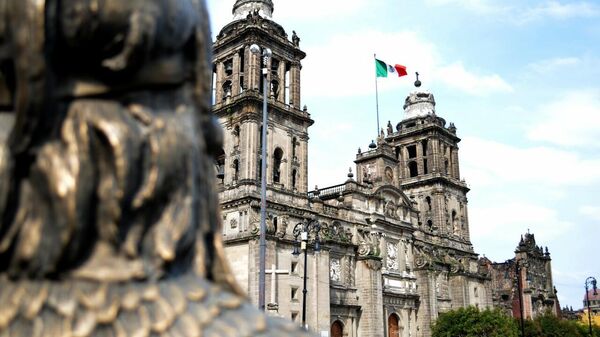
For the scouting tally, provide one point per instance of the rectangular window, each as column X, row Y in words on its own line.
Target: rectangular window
column 412, row 151
column 294, row 294
column 229, row 67
column 294, row 267
column 294, row 316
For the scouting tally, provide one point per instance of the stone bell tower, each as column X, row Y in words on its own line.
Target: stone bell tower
column 238, row 95
column 427, row 153
column 238, row 98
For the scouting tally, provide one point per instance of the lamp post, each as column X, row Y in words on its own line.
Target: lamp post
column 266, row 55
column 590, row 280
column 304, row 231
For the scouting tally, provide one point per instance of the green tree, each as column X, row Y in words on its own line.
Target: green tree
column 548, row 325
column 472, row 322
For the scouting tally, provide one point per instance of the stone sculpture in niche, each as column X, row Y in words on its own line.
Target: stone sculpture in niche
column 108, row 213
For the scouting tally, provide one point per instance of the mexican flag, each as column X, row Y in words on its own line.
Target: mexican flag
column 382, row 69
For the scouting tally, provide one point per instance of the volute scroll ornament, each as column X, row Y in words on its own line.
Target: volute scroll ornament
column 109, row 221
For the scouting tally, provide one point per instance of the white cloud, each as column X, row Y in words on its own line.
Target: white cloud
column 292, row 10
column 479, row 6
column 518, row 11
column 491, row 163
column 317, row 9
column 592, row 212
column 558, row 10
column 570, row 120
column 504, row 222
column 338, row 68
column 554, row 64
column 455, row 75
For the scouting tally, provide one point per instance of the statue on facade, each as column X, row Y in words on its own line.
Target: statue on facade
column 295, row 39
column 108, row 214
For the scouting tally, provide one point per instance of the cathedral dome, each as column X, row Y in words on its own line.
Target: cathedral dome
column 419, row 104
column 243, row 7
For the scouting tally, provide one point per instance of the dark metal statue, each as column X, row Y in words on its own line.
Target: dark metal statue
column 108, row 215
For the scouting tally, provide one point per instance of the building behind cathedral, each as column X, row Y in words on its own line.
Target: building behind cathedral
column 395, row 240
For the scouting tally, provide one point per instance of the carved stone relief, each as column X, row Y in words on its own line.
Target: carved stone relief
column 392, row 256
column 335, row 271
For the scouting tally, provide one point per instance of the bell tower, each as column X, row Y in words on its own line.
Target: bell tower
column 428, row 168
column 238, row 98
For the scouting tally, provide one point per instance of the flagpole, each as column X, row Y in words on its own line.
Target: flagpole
column 376, row 97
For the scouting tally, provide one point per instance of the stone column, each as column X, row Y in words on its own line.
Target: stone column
column 466, row 232
column 219, row 82
column 434, row 165
column 249, row 155
column 428, row 303
column 455, row 166
column 235, row 79
column 254, row 65
column 419, row 159
column 302, row 178
column 295, row 85
column 368, row 281
column 281, row 74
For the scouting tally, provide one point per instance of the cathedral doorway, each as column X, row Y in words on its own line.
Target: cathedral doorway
column 337, row 329
column 393, row 328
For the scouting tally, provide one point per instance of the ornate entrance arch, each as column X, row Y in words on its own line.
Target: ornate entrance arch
column 393, row 326
column 337, row 329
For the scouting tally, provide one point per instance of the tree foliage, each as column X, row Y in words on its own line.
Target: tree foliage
column 472, row 322
column 548, row 325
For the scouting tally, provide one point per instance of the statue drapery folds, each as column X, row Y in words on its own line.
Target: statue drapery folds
column 108, row 214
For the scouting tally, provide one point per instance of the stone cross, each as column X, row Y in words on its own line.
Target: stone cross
column 273, row 271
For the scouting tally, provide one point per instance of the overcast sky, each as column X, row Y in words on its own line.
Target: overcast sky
column 520, row 80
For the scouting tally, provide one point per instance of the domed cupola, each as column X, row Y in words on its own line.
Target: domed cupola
column 243, row 7
column 419, row 104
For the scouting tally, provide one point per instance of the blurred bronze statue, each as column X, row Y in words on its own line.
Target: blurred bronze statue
column 108, row 215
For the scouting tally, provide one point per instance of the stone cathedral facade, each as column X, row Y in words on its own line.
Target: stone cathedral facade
column 396, row 247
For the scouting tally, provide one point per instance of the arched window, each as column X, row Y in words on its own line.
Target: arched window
column 294, row 144
column 428, row 201
column 455, row 222
column 236, row 169
column 430, row 225
column 413, row 169
column 277, row 156
column 236, row 136
column 294, row 178
column 275, row 88
column 337, row 329
column 220, row 165
column 393, row 326
column 226, row 90
column 446, row 166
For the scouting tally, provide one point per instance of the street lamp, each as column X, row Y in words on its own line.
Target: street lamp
column 305, row 231
column 590, row 280
column 266, row 54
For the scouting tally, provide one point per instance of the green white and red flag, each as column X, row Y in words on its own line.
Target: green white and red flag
column 383, row 69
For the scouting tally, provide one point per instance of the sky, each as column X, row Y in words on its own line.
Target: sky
column 518, row 78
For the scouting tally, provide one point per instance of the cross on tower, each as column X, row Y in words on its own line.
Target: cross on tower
column 273, row 271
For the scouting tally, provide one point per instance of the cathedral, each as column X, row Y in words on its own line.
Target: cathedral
column 388, row 249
